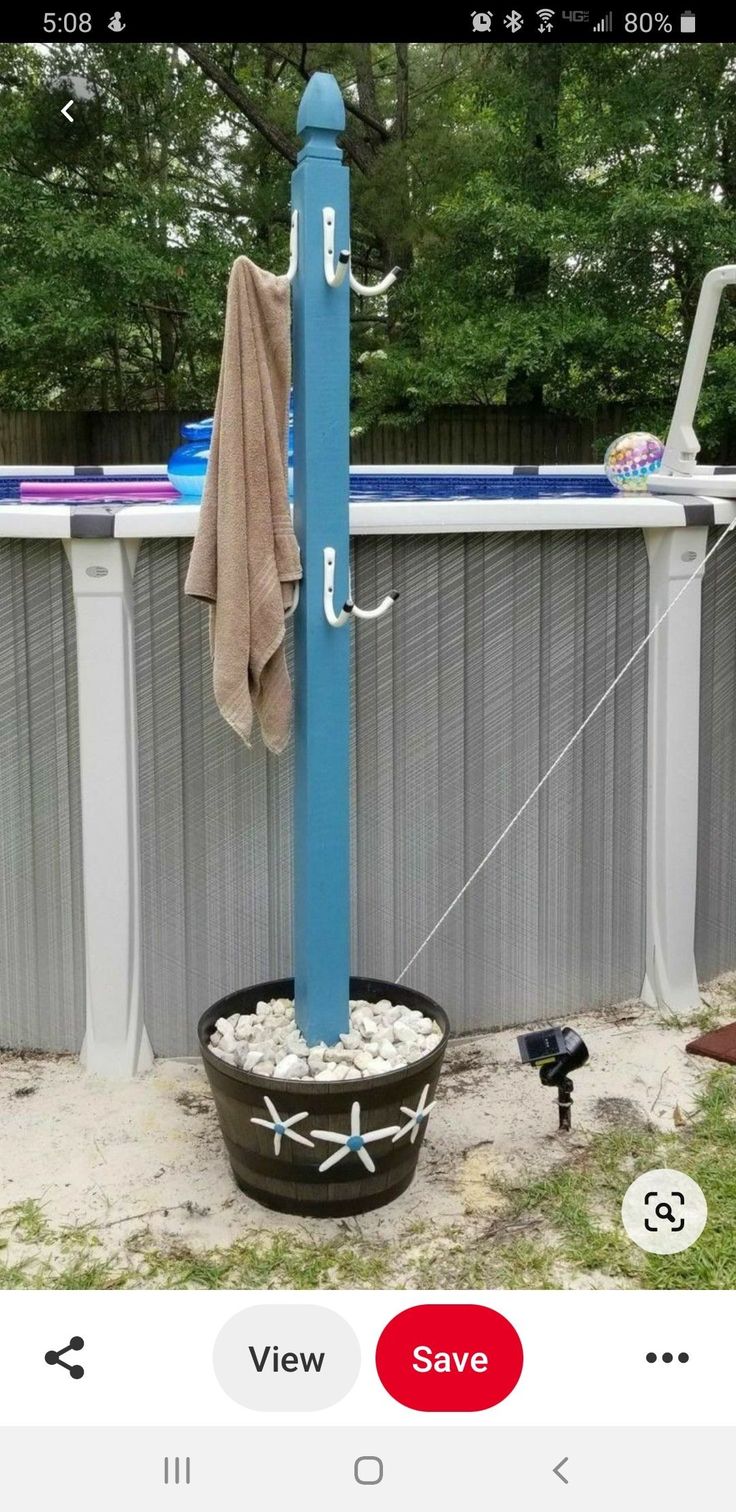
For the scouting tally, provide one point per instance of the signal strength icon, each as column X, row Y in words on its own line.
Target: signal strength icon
column 605, row 25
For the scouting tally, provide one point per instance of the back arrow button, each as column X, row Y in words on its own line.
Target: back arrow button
column 65, row 112
column 558, row 1471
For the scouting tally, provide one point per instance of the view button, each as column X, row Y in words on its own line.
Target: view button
column 287, row 1357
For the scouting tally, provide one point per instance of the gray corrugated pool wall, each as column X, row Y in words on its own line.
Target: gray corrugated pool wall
column 41, row 922
column 715, row 925
column 499, row 646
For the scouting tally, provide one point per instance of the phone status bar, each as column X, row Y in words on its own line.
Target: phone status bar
column 500, row 25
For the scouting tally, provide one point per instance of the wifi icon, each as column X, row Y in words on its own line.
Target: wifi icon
column 545, row 20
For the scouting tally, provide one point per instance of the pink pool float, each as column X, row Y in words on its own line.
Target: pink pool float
column 99, row 488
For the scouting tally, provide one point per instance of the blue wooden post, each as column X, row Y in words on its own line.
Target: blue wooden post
column 321, row 337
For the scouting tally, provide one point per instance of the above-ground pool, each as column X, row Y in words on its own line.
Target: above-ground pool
column 367, row 484
column 409, row 499
column 145, row 863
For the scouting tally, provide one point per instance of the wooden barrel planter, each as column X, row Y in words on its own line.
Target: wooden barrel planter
column 283, row 1174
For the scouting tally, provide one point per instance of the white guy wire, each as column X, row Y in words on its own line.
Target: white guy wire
column 571, row 742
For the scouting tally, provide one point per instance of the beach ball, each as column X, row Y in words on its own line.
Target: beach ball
column 631, row 460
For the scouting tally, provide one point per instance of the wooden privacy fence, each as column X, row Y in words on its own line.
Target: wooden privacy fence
column 93, row 437
column 474, row 434
column 460, row 434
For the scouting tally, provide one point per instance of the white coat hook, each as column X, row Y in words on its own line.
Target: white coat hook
column 380, row 609
column 293, row 247
column 294, row 602
column 336, row 273
column 379, row 288
column 349, row 608
column 333, row 274
column 344, row 614
column 291, row 275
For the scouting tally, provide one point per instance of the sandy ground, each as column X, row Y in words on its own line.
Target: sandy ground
column 148, row 1154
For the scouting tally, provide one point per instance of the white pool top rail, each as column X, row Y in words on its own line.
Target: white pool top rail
column 406, row 516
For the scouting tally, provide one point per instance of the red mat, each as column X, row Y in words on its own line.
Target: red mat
column 719, row 1044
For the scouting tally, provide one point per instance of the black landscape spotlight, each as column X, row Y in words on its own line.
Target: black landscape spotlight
column 555, row 1053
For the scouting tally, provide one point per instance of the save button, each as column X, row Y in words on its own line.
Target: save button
column 449, row 1357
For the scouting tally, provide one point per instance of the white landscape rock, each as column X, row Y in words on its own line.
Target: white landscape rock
column 382, row 1037
column 224, row 1055
column 364, row 1061
column 291, row 1067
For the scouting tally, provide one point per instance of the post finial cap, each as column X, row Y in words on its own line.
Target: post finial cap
column 321, row 107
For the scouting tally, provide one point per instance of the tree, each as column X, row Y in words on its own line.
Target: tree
column 576, row 280
column 108, row 252
column 554, row 207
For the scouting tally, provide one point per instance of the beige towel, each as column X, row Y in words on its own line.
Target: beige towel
column 245, row 558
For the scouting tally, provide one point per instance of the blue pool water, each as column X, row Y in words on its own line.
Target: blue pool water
column 386, row 486
column 381, row 486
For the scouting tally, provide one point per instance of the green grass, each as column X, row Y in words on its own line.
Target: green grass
column 260, row 1262
column 559, row 1229
column 564, row 1227
column 27, row 1222
column 703, row 1019
column 580, row 1201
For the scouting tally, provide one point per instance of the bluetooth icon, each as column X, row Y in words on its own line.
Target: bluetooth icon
column 514, row 21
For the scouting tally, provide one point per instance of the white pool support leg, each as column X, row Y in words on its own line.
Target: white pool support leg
column 116, row 1043
column 671, row 981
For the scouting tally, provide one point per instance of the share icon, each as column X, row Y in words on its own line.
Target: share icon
column 55, row 1357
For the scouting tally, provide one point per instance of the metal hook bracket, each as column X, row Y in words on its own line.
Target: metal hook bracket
column 293, row 247
column 342, row 617
column 380, row 609
column 335, row 272
column 288, row 613
column 367, row 291
column 349, row 609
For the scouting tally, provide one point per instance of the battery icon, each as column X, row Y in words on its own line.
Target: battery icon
column 687, row 21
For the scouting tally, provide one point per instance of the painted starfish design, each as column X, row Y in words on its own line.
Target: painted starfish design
column 353, row 1143
column 282, row 1127
column 416, row 1116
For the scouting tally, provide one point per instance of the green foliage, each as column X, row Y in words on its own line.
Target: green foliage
column 555, row 209
column 564, row 265
column 116, row 234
